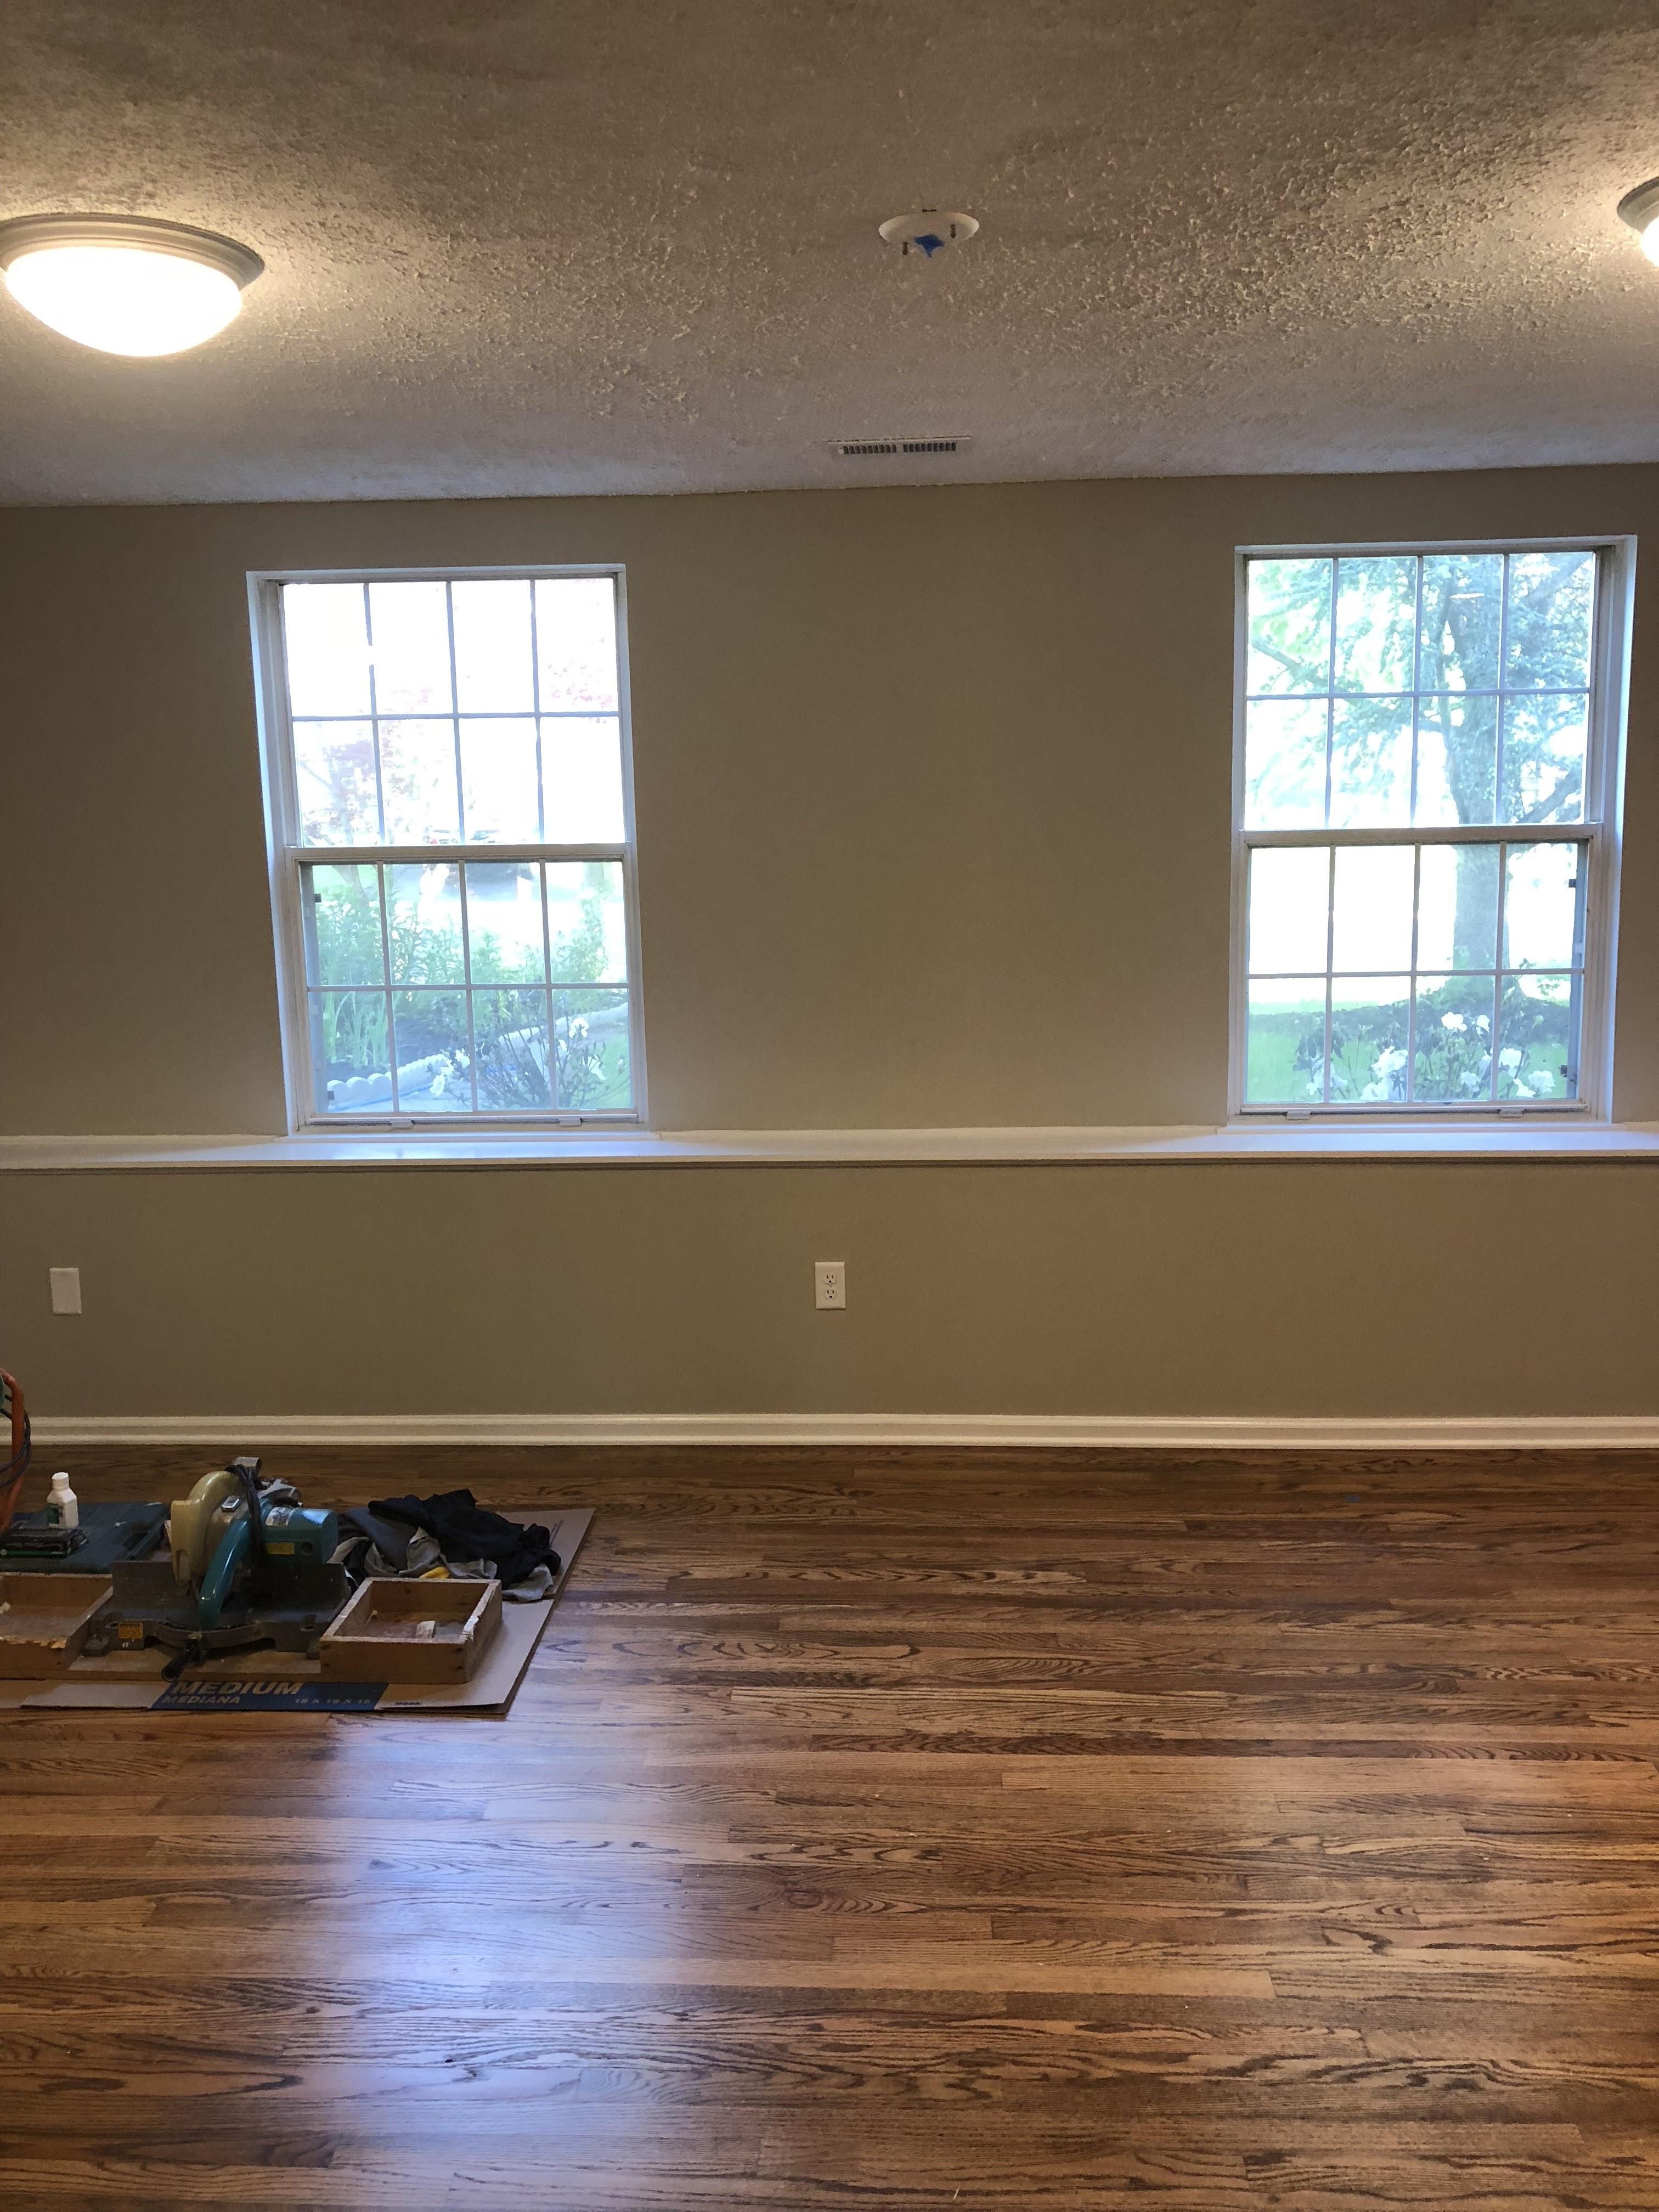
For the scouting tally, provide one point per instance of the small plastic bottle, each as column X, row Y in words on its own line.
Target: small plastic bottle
column 62, row 1504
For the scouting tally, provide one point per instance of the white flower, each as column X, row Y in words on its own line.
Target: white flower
column 1452, row 1022
column 1481, row 1022
column 1473, row 1080
column 1388, row 1061
column 1519, row 1091
column 1508, row 1058
column 578, row 1025
column 1543, row 1082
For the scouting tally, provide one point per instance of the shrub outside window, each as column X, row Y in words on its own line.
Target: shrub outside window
column 1424, row 828
column 449, row 795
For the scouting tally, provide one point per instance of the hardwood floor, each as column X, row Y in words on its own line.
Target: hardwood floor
column 892, row 1831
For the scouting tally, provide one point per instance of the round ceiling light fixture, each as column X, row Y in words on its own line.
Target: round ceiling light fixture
column 927, row 231
column 123, row 283
column 1640, row 209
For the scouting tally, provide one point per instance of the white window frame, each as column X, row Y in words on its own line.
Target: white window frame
column 287, row 855
column 1603, row 777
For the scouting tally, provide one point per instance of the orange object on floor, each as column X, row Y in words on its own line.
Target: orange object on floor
column 17, row 1464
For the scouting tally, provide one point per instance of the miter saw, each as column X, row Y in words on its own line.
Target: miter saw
column 249, row 1566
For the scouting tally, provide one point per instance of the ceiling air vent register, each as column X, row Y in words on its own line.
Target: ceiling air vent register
column 863, row 449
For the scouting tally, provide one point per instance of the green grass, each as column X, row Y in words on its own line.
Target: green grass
column 1272, row 1077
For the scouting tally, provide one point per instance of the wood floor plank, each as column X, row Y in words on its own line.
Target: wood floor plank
column 1013, row 1832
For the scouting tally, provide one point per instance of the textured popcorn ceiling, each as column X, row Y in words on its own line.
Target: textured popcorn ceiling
column 566, row 245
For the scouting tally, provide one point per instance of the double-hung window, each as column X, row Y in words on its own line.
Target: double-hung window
column 449, row 796
column 1425, row 813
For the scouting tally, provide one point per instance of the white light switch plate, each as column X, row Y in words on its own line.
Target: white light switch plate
column 66, row 1290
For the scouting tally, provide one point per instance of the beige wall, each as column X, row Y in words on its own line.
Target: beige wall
column 1236, row 1288
column 932, row 795
column 932, row 789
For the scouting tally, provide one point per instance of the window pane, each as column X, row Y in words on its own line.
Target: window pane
column 586, row 921
column 1284, row 763
column 1285, row 1049
column 334, row 769
column 417, row 781
column 1462, row 621
column 1456, row 759
column 469, row 713
column 1290, row 910
column 343, row 925
column 327, row 648
column 410, row 627
column 581, row 776
column 1453, row 1061
column 1457, row 907
column 1546, row 739
column 350, row 1055
column 1552, row 599
column 494, row 665
column 1537, row 1055
column 1290, row 613
column 434, row 1060
column 1370, row 1020
column 576, row 643
column 1458, row 696
column 509, row 1036
column 1371, row 763
column 1543, row 909
column 1376, row 623
column 423, row 923
column 498, row 776
column 504, row 922
column 590, row 1050
column 1371, row 917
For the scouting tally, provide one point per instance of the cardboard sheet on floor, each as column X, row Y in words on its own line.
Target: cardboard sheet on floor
column 275, row 1681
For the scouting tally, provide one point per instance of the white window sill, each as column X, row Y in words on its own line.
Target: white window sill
column 1538, row 1138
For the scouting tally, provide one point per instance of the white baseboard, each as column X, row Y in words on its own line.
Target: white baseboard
column 974, row 1431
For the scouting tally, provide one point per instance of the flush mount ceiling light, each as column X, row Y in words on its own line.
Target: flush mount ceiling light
column 123, row 283
column 1640, row 209
column 927, row 231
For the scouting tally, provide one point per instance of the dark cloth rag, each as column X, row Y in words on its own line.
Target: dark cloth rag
column 466, row 1530
column 390, row 1538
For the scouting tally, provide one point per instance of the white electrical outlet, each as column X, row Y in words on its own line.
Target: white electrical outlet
column 66, row 1290
column 829, row 1285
